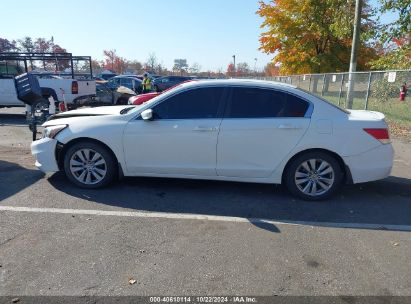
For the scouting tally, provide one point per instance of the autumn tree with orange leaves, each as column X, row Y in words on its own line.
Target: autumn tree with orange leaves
column 313, row 36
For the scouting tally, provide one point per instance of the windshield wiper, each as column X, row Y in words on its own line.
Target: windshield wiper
column 125, row 110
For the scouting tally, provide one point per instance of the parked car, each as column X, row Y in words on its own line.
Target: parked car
column 106, row 76
column 230, row 130
column 163, row 83
column 130, row 82
column 142, row 98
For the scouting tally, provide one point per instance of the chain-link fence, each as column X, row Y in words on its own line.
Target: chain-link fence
column 368, row 87
column 377, row 90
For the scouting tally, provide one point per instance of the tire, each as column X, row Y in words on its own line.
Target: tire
column 89, row 165
column 314, row 176
column 40, row 105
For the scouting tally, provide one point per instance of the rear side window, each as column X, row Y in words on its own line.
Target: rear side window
column 194, row 104
column 264, row 103
column 127, row 82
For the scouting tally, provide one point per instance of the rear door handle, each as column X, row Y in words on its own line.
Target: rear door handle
column 205, row 129
column 289, row 126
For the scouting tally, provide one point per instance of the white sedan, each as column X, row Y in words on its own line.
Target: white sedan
column 229, row 130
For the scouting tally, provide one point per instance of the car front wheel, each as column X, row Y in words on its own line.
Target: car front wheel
column 314, row 176
column 89, row 165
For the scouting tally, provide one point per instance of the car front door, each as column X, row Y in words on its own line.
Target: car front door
column 260, row 127
column 181, row 139
column 8, row 94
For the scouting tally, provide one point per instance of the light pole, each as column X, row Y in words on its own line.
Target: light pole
column 255, row 66
column 234, row 65
column 354, row 50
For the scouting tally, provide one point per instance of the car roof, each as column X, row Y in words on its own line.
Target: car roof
column 174, row 76
column 239, row 82
column 127, row 76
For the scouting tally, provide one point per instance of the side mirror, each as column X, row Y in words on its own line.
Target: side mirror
column 147, row 114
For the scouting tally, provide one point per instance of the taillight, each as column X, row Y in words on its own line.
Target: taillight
column 74, row 87
column 379, row 134
column 62, row 107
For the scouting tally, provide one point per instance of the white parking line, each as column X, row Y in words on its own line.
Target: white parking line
column 184, row 216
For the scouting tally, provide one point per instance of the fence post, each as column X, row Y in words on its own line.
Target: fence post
column 341, row 87
column 368, row 91
column 309, row 85
column 322, row 90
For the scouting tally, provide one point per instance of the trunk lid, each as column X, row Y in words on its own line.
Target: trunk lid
column 364, row 115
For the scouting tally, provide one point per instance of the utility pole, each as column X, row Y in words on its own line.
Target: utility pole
column 234, row 65
column 354, row 51
column 255, row 67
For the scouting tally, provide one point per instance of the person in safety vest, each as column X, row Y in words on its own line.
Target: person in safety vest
column 146, row 83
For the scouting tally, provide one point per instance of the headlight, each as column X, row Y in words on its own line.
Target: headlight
column 52, row 131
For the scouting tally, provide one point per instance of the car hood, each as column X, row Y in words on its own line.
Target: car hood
column 98, row 111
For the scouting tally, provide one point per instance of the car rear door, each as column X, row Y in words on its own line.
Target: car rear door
column 182, row 137
column 260, row 127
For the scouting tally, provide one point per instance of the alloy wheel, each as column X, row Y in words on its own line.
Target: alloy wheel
column 88, row 166
column 314, row 177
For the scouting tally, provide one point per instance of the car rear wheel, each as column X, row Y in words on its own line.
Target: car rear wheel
column 314, row 176
column 89, row 165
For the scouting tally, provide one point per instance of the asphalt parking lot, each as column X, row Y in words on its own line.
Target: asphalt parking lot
column 183, row 237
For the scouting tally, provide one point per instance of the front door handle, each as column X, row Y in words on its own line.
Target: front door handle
column 288, row 126
column 205, row 129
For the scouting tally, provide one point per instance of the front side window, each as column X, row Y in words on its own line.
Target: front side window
column 194, row 104
column 264, row 103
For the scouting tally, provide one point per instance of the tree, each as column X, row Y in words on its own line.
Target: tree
column 243, row 69
column 135, row 65
column 394, row 56
column 401, row 27
column 96, row 65
column 271, row 69
column 180, row 65
column 114, row 62
column 26, row 44
column 312, row 36
column 110, row 57
column 151, row 63
column 161, row 70
column 7, row 46
column 395, row 40
column 230, row 70
column 195, row 68
column 41, row 45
